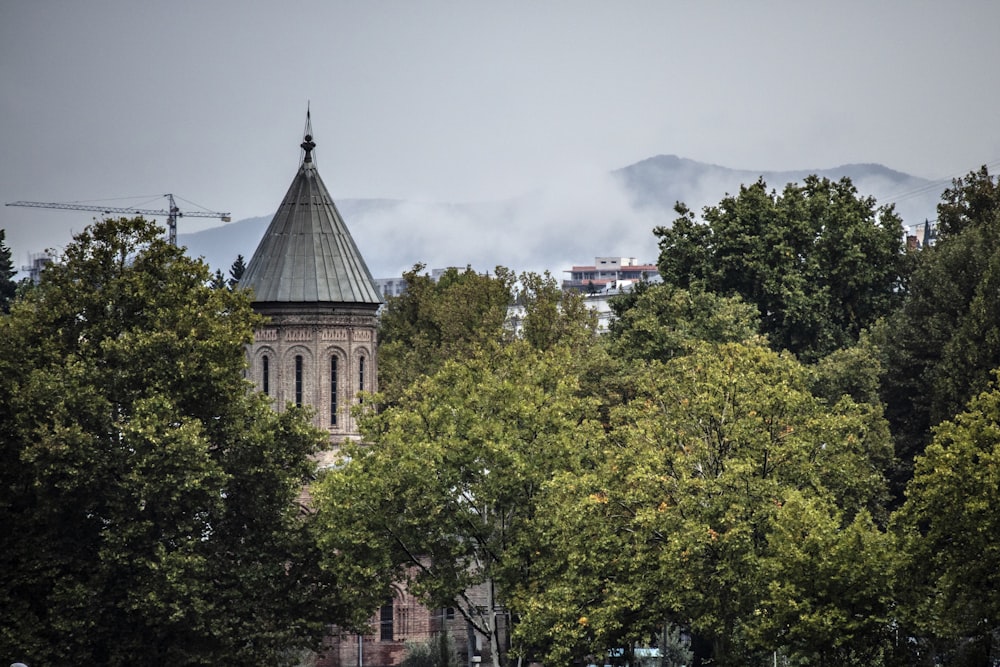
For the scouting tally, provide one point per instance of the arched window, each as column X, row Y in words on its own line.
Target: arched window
column 361, row 374
column 385, row 622
column 298, row 379
column 265, row 365
column 333, row 391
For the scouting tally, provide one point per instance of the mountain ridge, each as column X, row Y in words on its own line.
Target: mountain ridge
column 670, row 157
column 561, row 224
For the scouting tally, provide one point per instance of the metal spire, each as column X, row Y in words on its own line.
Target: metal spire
column 307, row 144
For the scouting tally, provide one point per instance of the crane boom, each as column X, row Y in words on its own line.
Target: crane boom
column 171, row 214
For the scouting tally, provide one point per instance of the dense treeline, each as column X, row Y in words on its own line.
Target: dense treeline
column 786, row 451
column 148, row 500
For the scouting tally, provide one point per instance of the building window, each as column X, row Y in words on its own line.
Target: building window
column 333, row 391
column 361, row 374
column 385, row 622
column 298, row 379
column 266, row 374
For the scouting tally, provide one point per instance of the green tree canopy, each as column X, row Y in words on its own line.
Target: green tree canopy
column 460, row 312
column 442, row 493
column 941, row 346
column 680, row 520
column 436, row 320
column 148, row 508
column 827, row 585
column 7, row 284
column 948, row 526
column 852, row 371
column 552, row 316
column 662, row 321
column 236, row 271
column 218, row 280
column 819, row 262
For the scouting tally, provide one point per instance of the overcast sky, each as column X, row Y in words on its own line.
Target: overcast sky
column 470, row 101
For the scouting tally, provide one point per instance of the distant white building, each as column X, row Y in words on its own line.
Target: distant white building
column 391, row 286
column 608, row 273
column 599, row 302
column 38, row 262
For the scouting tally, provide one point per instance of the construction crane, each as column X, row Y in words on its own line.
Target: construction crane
column 172, row 213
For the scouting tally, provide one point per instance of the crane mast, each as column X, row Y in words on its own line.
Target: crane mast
column 172, row 213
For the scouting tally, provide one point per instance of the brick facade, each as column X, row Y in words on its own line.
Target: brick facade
column 316, row 358
column 408, row 622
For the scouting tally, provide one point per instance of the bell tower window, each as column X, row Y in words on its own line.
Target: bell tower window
column 361, row 374
column 265, row 371
column 333, row 391
column 298, row 379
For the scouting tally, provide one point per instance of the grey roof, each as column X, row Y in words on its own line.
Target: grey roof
column 307, row 254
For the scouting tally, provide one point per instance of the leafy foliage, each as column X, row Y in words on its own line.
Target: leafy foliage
column 218, row 280
column 948, row 527
column 434, row 321
column 552, row 316
column 679, row 473
column 7, row 284
column 148, row 497
column 442, row 495
column 854, row 371
column 662, row 321
column 942, row 345
column 433, row 652
column 236, row 271
column 679, row 520
column 828, row 596
column 818, row 261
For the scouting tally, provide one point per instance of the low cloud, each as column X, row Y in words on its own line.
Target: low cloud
column 580, row 214
column 583, row 214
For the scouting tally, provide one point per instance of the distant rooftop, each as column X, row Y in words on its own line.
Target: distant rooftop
column 608, row 273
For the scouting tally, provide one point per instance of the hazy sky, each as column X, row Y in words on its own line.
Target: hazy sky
column 470, row 101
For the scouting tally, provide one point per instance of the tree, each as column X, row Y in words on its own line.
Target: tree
column 236, row 271
column 941, row 346
column 818, row 261
column 434, row 321
column 218, row 280
column 553, row 316
column 947, row 528
column 8, row 286
column 828, row 585
column 663, row 321
column 441, row 496
column 854, row 371
column 678, row 522
column 148, row 496
column 434, row 652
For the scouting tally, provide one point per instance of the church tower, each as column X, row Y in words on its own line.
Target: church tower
column 318, row 347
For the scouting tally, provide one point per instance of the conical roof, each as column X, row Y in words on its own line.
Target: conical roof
column 307, row 254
